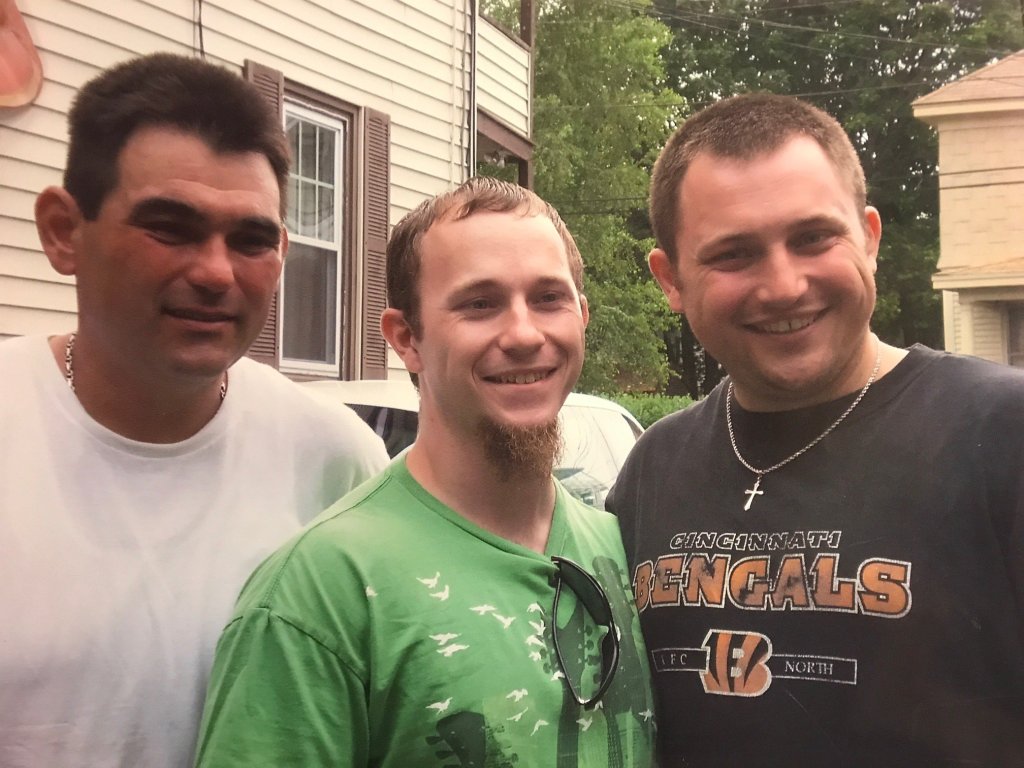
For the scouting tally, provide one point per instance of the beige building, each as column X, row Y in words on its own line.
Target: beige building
column 386, row 103
column 980, row 122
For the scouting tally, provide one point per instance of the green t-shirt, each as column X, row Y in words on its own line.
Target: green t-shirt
column 393, row 632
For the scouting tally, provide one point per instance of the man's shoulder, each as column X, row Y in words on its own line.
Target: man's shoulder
column 270, row 393
column 342, row 544
column 264, row 381
column 17, row 350
column 581, row 513
column 588, row 524
column 961, row 373
column 27, row 371
column 692, row 421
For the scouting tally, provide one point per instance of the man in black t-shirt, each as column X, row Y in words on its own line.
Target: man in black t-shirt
column 828, row 551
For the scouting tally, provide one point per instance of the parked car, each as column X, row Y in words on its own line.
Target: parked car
column 597, row 433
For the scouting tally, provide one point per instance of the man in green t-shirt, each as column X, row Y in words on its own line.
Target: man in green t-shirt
column 460, row 609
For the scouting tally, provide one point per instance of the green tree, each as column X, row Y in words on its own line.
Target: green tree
column 864, row 63
column 602, row 109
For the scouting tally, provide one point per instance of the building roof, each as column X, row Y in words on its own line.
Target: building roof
column 1009, row 272
column 1001, row 80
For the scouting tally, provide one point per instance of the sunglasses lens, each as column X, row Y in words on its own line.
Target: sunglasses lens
column 588, row 591
column 585, row 636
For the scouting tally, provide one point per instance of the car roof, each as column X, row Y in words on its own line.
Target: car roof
column 400, row 393
column 390, row 393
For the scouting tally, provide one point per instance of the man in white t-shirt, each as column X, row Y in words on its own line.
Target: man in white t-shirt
column 147, row 466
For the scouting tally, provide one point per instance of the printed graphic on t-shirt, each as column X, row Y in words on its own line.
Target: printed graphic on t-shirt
column 762, row 572
column 499, row 728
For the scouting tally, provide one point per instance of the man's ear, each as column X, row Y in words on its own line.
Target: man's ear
column 285, row 242
column 399, row 335
column 585, row 308
column 872, row 234
column 666, row 274
column 59, row 221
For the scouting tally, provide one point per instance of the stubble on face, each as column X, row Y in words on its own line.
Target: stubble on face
column 521, row 452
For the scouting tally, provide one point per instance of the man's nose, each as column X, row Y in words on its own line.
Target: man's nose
column 782, row 278
column 521, row 331
column 212, row 266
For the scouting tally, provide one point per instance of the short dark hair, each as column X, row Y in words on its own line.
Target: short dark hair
column 744, row 127
column 480, row 193
column 165, row 89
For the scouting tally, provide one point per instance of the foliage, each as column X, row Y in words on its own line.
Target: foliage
column 864, row 63
column 611, row 84
column 601, row 112
column 648, row 408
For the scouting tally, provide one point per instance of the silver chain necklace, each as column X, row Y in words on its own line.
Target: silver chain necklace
column 760, row 473
column 69, row 368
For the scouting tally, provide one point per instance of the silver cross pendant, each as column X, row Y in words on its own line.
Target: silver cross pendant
column 752, row 492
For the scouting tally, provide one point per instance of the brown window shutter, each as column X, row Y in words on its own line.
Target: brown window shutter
column 377, row 166
column 269, row 82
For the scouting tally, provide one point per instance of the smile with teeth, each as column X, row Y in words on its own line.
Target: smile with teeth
column 786, row 326
column 519, row 378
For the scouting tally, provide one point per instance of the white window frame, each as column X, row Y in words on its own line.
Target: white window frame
column 342, row 127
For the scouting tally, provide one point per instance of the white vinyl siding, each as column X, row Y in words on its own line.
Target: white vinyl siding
column 410, row 61
column 503, row 78
column 75, row 41
column 987, row 321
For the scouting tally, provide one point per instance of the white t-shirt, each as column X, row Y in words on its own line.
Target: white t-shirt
column 120, row 561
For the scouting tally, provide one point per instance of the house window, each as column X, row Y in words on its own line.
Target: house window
column 311, row 285
column 1015, row 350
column 325, row 319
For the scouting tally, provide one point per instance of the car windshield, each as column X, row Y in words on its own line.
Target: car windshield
column 596, row 442
column 596, row 436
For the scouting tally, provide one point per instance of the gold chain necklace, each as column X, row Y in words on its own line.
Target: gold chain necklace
column 69, row 368
column 760, row 473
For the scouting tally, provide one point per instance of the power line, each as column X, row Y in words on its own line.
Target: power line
column 626, row 4
column 663, row 104
column 786, row 43
column 633, row 6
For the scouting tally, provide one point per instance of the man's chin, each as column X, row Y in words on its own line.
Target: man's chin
column 521, row 451
column 209, row 365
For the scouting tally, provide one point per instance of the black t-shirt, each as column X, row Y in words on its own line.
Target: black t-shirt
column 868, row 609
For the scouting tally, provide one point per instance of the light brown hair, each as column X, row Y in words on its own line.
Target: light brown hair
column 743, row 127
column 481, row 193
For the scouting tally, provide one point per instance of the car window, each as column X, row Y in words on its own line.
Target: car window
column 596, row 442
column 396, row 427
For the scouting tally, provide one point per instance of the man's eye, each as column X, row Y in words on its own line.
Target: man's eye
column 479, row 304
column 166, row 233
column 813, row 240
column 549, row 297
column 253, row 246
column 730, row 258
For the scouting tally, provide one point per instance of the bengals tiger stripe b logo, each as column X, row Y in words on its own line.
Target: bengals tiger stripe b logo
column 737, row 663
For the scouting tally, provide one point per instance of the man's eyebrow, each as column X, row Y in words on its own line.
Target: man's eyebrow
column 746, row 238
column 262, row 225
column 163, row 206
column 489, row 284
column 820, row 220
column 473, row 286
column 169, row 207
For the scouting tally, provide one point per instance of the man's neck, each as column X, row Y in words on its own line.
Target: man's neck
column 140, row 411
column 458, row 473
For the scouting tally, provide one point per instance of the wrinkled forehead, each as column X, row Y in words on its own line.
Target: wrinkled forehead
column 161, row 162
